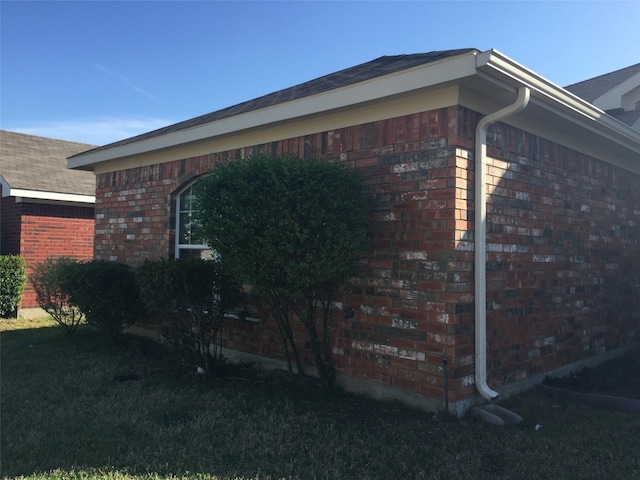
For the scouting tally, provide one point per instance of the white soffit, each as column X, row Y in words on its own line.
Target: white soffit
column 415, row 102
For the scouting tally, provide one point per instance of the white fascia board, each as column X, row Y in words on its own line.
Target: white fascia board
column 613, row 98
column 557, row 99
column 54, row 196
column 492, row 61
column 404, row 81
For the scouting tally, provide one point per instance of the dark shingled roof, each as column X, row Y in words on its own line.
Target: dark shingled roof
column 359, row 73
column 35, row 163
column 593, row 88
column 629, row 118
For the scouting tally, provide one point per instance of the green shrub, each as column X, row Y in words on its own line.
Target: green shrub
column 107, row 294
column 186, row 299
column 51, row 281
column 294, row 230
column 12, row 281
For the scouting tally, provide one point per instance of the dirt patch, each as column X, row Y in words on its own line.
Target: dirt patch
column 619, row 377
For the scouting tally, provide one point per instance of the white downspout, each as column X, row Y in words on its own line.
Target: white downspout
column 481, row 238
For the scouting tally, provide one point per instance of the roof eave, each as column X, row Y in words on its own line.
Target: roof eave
column 490, row 65
column 556, row 99
column 422, row 76
column 50, row 196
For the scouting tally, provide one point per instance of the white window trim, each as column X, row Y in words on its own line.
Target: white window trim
column 180, row 246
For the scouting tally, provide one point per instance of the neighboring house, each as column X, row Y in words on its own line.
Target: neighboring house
column 617, row 93
column 505, row 219
column 46, row 209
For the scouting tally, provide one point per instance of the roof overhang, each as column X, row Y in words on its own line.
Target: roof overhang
column 37, row 195
column 561, row 116
column 398, row 83
column 484, row 81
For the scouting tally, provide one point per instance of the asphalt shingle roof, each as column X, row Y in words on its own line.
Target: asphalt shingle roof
column 359, row 73
column 595, row 87
column 40, row 164
column 630, row 117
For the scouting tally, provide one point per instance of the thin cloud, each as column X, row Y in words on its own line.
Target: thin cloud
column 96, row 131
column 126, row 81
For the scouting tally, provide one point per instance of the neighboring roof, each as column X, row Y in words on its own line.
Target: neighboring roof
column 36, row 167
column 595, row 87
column 630, row 118
column 349, row 76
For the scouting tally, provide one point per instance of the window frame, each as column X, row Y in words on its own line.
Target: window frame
column 183, row 246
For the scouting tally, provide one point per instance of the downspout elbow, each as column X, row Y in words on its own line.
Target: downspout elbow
column 520, row 103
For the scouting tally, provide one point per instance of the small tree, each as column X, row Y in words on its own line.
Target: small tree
column 107, row 294
column 51, row 281
column 187, row 299
column 12, row 281
column 293, row 229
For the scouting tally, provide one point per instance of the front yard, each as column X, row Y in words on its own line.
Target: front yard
column 75, row 407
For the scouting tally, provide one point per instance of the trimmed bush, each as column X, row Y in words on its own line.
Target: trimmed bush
column 12, row 281
column 294, row 230
column 186, row 299
column 107, row 294
column 52, row 280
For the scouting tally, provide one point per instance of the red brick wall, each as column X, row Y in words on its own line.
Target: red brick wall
column 564, row 256
column 413, row 301
column 37, row 231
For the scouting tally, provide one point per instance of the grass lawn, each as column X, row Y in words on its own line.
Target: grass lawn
column 66, row 416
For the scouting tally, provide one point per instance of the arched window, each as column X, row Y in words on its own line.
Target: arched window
column 191, row 244
column 189, row 240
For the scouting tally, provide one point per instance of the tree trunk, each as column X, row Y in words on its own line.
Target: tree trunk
column 319, row 345
column 282, row 321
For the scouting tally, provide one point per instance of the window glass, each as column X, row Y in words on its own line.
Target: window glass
column 189, row 239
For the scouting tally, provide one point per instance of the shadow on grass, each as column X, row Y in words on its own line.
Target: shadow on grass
column 618, row 377
column 65, row 414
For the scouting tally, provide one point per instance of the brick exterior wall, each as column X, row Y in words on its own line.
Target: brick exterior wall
column 37, row 231
column 564, row 256
column 562, row 241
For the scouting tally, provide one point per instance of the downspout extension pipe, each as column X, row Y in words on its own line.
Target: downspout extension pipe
column 521, row 102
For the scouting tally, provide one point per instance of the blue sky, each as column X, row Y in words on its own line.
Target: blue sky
column 97, row 72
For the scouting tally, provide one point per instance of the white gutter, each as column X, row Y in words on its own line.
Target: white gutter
column 481, row 237
column 509, row 73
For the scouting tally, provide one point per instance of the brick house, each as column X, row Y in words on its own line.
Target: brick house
column 543, row 276
column 46, row 209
